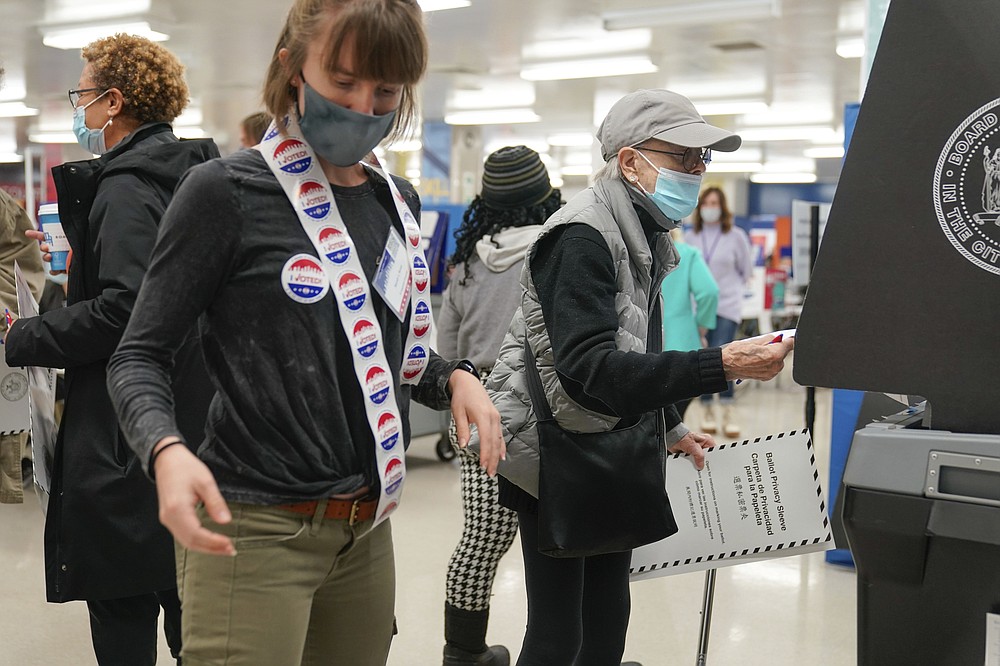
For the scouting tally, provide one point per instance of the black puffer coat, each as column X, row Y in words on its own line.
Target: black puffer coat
column 103, row 539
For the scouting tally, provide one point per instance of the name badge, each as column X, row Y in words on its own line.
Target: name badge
column 392, row 281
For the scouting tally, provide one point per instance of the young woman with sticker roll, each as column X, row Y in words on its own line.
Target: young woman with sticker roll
column 303, row 457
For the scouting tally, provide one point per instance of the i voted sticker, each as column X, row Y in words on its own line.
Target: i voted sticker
column 304, row 279
column 377, row 383
column 394, row 471
column 414, row 362
column 272, row 132
column 388, row 430
column 365, row 337
column 389, row 508
column 313, row 199
column 421, row 319
column 335, row 245
column 292, row 157
column 352, row 290
column 421, row 276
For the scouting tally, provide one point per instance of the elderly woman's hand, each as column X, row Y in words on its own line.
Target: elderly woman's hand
column 755, row 358
column 471, row 404
column 694, row 444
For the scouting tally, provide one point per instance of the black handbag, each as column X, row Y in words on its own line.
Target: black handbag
column 597, row 492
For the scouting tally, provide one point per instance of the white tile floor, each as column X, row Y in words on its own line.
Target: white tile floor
column 791, row 611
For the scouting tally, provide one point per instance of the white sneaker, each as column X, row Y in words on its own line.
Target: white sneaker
column 729, row 425
column 709, row 425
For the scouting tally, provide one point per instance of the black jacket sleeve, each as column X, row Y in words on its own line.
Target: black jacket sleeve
column 574, row 276
column 125, row 225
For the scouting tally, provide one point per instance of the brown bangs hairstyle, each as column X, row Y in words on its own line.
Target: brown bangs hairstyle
column 726, row 218
column 389, row 45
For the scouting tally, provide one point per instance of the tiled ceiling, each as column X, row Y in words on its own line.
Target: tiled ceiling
column 790, row 60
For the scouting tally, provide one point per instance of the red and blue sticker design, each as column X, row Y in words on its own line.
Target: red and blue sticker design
column 314, row 200
column 377, row 384
column 414, row 362
column 421, row 276
column 292, row 156
column 304, row 279
column 352, row 290
column 421, row 319
column 388, row 430
column 335, row 245
column 394, row 471
column 365, row 337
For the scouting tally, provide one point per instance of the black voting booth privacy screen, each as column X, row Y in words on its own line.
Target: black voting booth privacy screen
column 905, row 294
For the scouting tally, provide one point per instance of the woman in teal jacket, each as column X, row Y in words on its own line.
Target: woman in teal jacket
column 690, row 296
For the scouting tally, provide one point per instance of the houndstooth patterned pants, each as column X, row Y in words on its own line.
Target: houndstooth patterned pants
column 487, row 534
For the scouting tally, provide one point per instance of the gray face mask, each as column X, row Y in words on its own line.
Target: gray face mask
column 340, row 136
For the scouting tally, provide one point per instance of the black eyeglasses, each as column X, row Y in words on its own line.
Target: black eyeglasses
column 690, row 158
column 74, row 95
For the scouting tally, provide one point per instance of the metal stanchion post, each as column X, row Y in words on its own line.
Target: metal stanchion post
column 706, row 617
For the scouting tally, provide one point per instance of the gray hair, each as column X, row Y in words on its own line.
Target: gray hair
column 610, row 171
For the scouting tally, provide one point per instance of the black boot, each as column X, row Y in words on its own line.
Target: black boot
column 465, row 639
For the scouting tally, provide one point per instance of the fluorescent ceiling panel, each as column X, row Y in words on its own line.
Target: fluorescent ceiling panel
column 778, row 177
column 692, row 13
column 733, row 107
column 733, row 167
column 572, row 139
column 52, row 137
column 853, row 47
column 817, row 133
column 510, row 92
column 587, row 69
column 824, row 152
column 439, row 5
column 492, row 117
column 76, row 11
column 11, row 158
column 16, row 110
column 589, row 44
column 68, row 37
column 577, row 170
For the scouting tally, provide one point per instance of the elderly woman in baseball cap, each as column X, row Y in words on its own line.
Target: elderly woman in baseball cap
column 590, row 323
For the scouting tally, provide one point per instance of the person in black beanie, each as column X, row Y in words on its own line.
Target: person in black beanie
column 497, row 229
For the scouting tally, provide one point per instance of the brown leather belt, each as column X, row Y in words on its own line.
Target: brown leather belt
column 337, row 509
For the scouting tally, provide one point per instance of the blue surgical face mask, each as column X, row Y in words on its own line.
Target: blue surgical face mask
column 89, row 139
column 676, row 194
column 340, row 136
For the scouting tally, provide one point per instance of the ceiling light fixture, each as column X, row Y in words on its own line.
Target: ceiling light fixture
column 692, row 13
column 814, row 133
column 824, row 152
column 587, row 69
column 52, row 136
column 16, row 110
column 439, row 5
column 589, row 44
column 10, row 158
column 77, row 36
column 852, row 47
column 733, row 107
column 734, row 167
column 779, row 177
column 492, row 117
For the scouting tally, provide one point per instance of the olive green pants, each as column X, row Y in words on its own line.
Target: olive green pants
column 300, row 590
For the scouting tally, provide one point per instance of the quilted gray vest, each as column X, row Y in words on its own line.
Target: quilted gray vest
column 607, row 208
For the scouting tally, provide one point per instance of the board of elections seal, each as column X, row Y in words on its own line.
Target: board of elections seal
column 967, row 188
column 14, row 386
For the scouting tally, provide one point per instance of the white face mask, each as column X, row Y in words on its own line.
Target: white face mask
column 710, row 214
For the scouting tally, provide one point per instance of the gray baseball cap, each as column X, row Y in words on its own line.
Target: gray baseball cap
column 660, row 114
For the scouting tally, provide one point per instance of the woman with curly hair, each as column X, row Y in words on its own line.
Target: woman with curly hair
column 103, row 542
column 497, row 229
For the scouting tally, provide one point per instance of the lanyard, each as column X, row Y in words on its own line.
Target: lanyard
column 307, row 279
column 704, row 245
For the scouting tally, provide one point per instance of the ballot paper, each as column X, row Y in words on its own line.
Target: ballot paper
column 755, row 499
column 41, row 399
